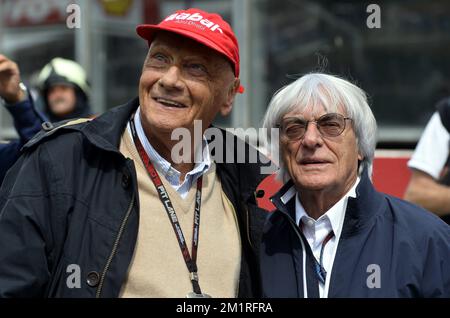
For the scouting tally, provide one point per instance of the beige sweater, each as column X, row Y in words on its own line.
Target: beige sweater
column 158, row 268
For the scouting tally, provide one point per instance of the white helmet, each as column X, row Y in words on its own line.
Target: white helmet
column 62, row 71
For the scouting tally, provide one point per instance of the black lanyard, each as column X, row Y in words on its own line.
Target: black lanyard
column 191, row 262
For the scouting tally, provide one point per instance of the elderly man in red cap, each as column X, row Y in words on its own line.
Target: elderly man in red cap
column 103, row 208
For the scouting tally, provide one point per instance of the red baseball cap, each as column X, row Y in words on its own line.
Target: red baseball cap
column 206, row 28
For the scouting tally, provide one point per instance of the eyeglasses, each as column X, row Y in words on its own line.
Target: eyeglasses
column 329, row 125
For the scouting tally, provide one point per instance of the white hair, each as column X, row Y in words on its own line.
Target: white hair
column 330, row 92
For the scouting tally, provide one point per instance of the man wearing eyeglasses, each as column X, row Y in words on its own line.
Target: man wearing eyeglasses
column 333, row 234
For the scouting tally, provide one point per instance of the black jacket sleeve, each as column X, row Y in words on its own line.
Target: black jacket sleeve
column 9, row 153
column 26, row 226
column 27, row 120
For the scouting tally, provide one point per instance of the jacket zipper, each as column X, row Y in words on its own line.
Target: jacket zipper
column 296, row 230
column 114, row 249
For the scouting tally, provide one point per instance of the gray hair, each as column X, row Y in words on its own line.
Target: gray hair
column 330, row 92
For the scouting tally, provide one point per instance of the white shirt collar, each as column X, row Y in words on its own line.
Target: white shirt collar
column 334, row 216
column 202, row 160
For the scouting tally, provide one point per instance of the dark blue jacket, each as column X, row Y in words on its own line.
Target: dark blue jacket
column 410, row 246
column 27, row 122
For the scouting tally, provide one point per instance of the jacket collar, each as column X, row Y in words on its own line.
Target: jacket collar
column 360, row 210
column 106, row 130
column 246, row 174
column 281, row 199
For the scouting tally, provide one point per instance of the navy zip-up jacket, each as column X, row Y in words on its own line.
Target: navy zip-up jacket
column 404, row 247
column 27, row 122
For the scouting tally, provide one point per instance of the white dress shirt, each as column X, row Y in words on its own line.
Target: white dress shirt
column 202, row 160
column 315, row 232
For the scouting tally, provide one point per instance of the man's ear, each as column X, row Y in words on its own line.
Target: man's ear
column 228, row 105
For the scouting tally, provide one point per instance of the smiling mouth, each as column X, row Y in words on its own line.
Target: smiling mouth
column 169, row 103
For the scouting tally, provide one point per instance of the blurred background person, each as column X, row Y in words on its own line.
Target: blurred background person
column 64, row 95
column 430, row 180
column 27, row 121
column 64, row 90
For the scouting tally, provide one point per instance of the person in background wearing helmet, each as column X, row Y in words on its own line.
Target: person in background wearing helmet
column 104, row 208
column 64, row 90
column 17, row 101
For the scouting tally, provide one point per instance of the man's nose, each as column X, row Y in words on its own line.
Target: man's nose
column 171, row 79
column 312, row 137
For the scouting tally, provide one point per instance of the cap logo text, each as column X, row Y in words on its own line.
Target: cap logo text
column 195, row 17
